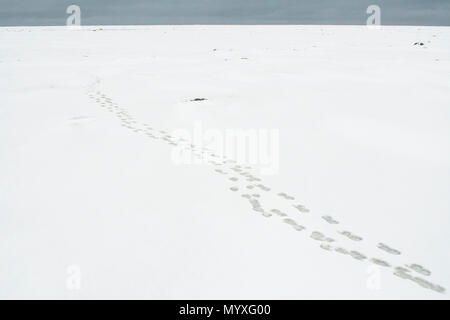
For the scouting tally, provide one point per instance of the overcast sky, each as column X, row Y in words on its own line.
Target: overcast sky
column 113, row 12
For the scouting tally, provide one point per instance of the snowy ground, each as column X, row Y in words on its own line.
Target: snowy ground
column 92, row 204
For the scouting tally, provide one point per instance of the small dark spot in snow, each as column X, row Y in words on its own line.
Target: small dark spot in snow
column 418, row 43
column 199, row 99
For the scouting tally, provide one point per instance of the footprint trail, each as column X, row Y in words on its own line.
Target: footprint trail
column 255, row 200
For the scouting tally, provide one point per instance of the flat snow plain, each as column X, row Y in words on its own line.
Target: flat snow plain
column 92, row 204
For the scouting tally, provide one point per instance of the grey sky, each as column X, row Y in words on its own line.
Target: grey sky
column 116, row 12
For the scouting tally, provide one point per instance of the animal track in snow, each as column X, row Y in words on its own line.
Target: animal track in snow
column 329, row 219
column 256, row 205
column 388, row 249
column 278, row 212
column 380, row 262
column 263, row 187
column 284, row 195
column 326, row 246
column 301, row 208
column 316, row 235
column 406, row 274
column 80, row 120
column 353, row 253
column 351, row 236
column 357, row 255
column 419, row 269
column 294, row 224
column 341, row 250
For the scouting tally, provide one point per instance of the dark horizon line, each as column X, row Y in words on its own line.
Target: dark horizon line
column 231, row 24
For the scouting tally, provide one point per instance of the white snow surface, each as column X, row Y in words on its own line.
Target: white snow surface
column 91, row 209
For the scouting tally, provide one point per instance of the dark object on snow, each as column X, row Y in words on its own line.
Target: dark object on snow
column 199, row 99
column 419, row 43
